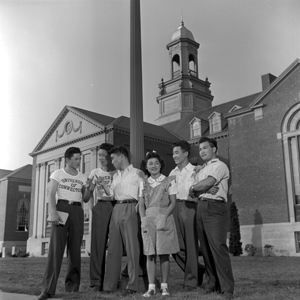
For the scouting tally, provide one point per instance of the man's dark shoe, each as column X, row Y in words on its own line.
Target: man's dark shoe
column 96, row 288
column 44, row 296
column 128, row 292
column 227, row 296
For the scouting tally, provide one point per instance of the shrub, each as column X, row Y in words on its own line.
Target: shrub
column 235, row 244
column 250, row 249
column 268, row 250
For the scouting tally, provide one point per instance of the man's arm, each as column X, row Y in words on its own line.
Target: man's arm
column 53, row 215
column 202, row 186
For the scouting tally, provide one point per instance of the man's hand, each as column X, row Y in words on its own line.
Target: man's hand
column 192, row 192
column 54, row 218
column 88, row 183
column 213, row 190
column 100, row 181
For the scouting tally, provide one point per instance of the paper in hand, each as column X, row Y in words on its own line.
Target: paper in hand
column 63, row 216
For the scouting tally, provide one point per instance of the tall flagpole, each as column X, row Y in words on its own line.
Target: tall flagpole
column 136, row 86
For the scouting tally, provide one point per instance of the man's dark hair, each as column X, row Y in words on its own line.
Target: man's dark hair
column 184, row 145
column 71, row 151
column 212, row 142
column 119, row 150
column 106, row 146
column 151, row 154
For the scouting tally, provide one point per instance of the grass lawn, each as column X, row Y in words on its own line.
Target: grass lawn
column 276, row 278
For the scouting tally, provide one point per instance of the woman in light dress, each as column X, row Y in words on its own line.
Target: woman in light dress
column 157, row 200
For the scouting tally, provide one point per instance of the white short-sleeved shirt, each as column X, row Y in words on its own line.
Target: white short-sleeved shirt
column 155, row 182
column 69, row 187
column 218, row 170
column 126, row 184
column 185, row 178
column 99, row 192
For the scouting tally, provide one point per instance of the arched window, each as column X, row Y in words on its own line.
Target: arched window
column 291, row 145
column 196, row 129
column 23, row 214
column 215, row 122
column 192, row 65
column 176, row 65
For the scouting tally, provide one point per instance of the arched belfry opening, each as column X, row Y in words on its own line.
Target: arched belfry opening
column 192, row 65
column 176, row 65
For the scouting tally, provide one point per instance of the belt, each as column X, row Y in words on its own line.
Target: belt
column 183, row 200
column 104, row 200
column 211, row 200
column 126, row 201
column 69, row 202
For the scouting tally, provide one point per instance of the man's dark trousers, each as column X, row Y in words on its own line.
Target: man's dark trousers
column 212, row 219
column 186, row 226
column 123, row 232
column 70, row 234
column 101, row 214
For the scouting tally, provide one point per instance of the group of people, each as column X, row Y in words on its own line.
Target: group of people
column 143, row 214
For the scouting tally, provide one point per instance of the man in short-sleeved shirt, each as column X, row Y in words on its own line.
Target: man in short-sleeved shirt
column 212, row 216
column 68, row 186
column 101, row 214
column 185, row 218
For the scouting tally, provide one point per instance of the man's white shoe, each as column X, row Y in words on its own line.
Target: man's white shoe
column 150, row 292
column 165, row 292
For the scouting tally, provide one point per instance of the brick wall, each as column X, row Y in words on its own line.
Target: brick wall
column 256, row 157
column 13, row 196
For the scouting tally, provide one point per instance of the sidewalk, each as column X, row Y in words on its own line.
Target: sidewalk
column 10, row 296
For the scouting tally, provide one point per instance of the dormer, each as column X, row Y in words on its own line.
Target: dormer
column 216, row 122
column 234, row 108
column 197, row 128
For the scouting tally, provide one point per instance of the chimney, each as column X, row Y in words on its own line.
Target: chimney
column 266, row 80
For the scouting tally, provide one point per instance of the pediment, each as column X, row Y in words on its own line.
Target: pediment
column 71, row 124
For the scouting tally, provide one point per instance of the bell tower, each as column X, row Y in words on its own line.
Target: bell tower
column 184, row 93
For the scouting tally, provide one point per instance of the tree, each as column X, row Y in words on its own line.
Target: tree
column 235, row 244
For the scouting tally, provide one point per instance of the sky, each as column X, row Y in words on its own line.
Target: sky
column 76, row 52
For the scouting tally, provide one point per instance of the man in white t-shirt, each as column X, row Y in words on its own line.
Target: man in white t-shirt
column 212, row 217
column 69, row 185
column 101, row 216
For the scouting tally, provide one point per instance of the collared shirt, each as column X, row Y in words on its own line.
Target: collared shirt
column 155, row 182
column 184, row 179
column 126, row 184
column 218, row 170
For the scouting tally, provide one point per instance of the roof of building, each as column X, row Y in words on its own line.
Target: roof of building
column 182, row 127
column 4, row 172
column 103, row 119
column 24, row 172
column 182, row 33
column 149, row 129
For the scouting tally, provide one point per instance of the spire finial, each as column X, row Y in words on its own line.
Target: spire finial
column 181, row 23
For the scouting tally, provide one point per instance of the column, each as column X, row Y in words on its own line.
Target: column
column 41, row 200
column 136, row 86
column 36, row 201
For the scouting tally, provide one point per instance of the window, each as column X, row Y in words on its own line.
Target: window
column 86, row 167
column 297, row 240
column 196, row 129
column 192, row 65
column 23, row 215
column 176, row 65
column 45, row 248
column 215, row 122
column 51, row 169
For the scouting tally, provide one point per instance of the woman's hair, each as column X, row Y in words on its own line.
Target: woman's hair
column 149, row 155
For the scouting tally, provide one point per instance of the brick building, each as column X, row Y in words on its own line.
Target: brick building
column 258, row 138
column 15, row 193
